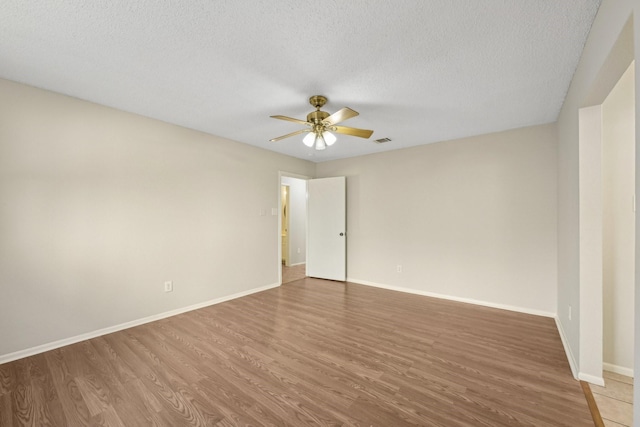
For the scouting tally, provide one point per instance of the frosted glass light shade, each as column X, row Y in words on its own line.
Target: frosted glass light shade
column 309, row 139
column 320, row 143
column 329, row 138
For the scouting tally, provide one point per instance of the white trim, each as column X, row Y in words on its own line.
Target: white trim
column 591, row 379
column 294, row 175
column 10, row 357
column 298, row 263
column 627, row 372
column 572, row 361
column 453, row 298
column 567, row 349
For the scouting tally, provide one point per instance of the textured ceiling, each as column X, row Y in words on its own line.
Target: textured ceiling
column 417, row 71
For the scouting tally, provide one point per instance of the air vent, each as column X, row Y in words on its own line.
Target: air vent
column 382, row 140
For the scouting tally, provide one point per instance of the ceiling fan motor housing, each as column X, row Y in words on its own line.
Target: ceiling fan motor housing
column 317, row 116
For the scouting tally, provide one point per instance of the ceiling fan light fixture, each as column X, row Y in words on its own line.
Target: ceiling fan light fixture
column 319, row 140
column 329, row 138
column 320, row 143
column 309, row 139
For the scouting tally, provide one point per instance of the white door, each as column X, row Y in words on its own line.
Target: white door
column 326, row 228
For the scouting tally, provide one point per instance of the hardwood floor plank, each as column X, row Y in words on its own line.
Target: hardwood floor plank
column 103, row 391
column 107, row 418
column 117, row 367
column 369, row 412
column 208, row 415
column 6, row 409
column 29, row 401
column 293, row 273
column 75, row 409
column 172, row 396
column 312, row 352
column 46, row 411
column 94, row 394
column 7, row 378
column 50, row 408
column 138, row 405
column 23, row 405
column 233, row 403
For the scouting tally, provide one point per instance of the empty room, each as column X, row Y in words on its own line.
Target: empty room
column 368, row 213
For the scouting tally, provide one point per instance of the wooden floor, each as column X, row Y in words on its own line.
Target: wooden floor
column 310, row 352
column 290, row 274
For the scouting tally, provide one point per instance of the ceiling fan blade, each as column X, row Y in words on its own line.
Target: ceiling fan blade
column 291, row 119
column 362, row 133
column 298, row 132
column 340, row 116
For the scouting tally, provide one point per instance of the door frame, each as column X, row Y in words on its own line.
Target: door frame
column 282, row 174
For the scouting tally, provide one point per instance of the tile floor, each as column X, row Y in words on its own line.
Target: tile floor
column 615, row 399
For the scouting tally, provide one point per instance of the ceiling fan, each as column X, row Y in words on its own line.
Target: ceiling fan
column 320, row 124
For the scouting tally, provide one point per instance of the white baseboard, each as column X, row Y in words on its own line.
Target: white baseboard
column 591, row 379
column 565, row 343
column 618, row 369
column 572, row 362
column 453, row 298
column 10, row 357
column 297, row 263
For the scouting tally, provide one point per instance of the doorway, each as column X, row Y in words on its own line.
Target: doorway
column 293, row 227
column 591, row 316
column 284, row 223
column 618, row 173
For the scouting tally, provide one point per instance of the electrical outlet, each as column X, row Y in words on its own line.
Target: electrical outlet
column 399, row 268
column 298, row 250
column 168, row 286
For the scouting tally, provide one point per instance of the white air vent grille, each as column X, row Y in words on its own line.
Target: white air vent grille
column 382, row 140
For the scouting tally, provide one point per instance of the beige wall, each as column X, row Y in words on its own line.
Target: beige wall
column 471, row 219
column 99, row 207
column 618, row 170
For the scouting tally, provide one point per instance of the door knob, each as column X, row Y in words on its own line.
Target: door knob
column 342, row 234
